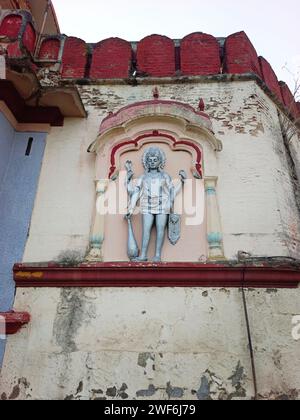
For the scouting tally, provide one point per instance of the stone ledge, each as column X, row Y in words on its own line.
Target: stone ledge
column 14, row 321
column 126, row 274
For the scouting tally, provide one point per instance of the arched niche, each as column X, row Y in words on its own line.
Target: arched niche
column 187, row 138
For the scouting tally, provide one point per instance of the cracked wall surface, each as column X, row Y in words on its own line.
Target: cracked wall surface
column 152, row 344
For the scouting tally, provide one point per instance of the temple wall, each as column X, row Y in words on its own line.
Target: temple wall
column 152, row 344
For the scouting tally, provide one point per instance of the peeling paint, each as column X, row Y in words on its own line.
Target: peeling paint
column 19, row 391
column 27, row 275
column 80, row 388
column 146, row 392
column 122, row 392
column 15, row 393
column 271, row 291
column 203, row 393
column 144, row 358
column 3, row 396
column 97, row 395
column 111, row 392
column 238, row 375
column 174, row 392
column 290, row 395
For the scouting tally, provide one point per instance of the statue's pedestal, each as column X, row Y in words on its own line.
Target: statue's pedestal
column 129, row 274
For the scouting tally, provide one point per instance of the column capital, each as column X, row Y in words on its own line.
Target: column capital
column 211, row 181
column 211, row 185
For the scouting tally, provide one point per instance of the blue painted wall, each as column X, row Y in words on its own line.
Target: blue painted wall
column 19, row 175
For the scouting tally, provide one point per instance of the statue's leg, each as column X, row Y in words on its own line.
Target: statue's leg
column 148, row 220
column 161, row 224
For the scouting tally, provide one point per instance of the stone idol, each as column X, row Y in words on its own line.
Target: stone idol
column 155, row 193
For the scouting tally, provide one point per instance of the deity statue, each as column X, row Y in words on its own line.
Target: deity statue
column 156, row 193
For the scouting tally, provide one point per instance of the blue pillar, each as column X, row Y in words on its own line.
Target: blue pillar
column 21, row 157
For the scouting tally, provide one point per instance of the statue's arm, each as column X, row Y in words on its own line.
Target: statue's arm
column 178, row 187
column 135, row 196
column 129, row 178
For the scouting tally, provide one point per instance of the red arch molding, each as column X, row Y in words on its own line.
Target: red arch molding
column 156, row 133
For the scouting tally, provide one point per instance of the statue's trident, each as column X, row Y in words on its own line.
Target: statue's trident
column 132, row 246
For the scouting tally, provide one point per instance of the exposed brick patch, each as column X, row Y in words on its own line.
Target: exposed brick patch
column 156, row 56
column 74, row 58
column 200, row 55
column 111, row 59
column 289, row 100
column 11, row 26
column 270, row 77
column 49, row 49
column 29, row 38
column 240, row 55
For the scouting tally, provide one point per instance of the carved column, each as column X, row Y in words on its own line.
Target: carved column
column 214, row 229
column 97, row 235
column 2, row 66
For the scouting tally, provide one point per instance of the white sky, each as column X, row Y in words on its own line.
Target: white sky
column 272, row 25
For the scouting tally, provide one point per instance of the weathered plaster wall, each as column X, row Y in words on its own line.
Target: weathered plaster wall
column 18, row 182
column 152, row 343
column 254, row 175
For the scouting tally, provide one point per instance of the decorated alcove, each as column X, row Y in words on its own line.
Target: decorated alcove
column 186, row 136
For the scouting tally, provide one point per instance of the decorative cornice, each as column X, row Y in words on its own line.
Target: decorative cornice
column 127, row 274
column 14, row 321
column 155, row 107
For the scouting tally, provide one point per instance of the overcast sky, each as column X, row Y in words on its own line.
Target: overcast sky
column 272, row 25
